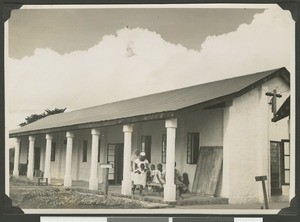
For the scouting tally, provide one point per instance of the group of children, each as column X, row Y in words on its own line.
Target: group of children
column 143, row 176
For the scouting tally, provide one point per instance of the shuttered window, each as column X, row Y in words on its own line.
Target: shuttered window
column 164, row 148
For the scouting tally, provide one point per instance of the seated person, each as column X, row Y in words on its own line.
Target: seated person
column 151, row 173
column 186, row 182
column 182, row 188
column 157, row 175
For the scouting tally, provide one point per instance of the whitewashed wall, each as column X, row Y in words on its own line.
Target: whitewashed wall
column 209, row 124
column 247, row 133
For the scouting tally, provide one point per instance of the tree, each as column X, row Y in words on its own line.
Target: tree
column 34, row 117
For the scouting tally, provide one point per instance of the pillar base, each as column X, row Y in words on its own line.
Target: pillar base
column 16, row 173
column 93, row 183
column 126, row 187
column 30, row 175
column 169, row 192
column 67, row 181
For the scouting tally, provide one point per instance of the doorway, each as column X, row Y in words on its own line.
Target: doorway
column 115, row 157
column 37, row 160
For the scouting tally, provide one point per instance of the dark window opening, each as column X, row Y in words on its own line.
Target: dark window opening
column 99, row 144
column 53, row 150
column 192, row 148
column 84, row 151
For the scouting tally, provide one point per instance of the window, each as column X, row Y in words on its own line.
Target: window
column 192, row 148
column 53, row 149
column 99, row 144
column 286, row 162
column 164, row 148
column 146, row 146
column 84, row 151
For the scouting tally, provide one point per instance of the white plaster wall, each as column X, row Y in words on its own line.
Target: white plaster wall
column 278, row 130
column 55, row 166
column 209, row 124
column 83, row 167
column 240, row 162
column 247, row 132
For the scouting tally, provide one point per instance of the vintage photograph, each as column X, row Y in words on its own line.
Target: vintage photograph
column 150, row 108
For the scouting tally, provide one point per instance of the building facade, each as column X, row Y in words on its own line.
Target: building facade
column 220, row 134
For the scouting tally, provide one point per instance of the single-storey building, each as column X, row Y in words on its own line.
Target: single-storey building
column 221, row 133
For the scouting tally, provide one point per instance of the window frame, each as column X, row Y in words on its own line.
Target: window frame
column 192, row 147
column 283, row 168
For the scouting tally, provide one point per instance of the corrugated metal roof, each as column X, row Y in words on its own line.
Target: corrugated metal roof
column 156, row 103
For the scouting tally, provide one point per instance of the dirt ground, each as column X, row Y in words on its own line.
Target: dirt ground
column 30, row 196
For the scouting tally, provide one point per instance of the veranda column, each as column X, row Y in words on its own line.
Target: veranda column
column 126, row 182
column 68, row 172
column 30, row 158
column 94, row 181
column 47, row 173
column 170, row 187
column 16, row 160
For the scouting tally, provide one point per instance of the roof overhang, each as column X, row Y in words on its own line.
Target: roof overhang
column 120, row 121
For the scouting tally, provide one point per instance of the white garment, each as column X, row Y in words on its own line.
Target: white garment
column 157, row 177
column 139, row 162
column 139, row 178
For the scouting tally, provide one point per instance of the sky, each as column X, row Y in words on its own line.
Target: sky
column 78, row 58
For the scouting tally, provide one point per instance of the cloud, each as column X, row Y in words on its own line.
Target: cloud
column 136, row 62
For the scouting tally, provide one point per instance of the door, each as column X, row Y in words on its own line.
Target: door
column 37, row 160
column 115, row 157
column 275, row 165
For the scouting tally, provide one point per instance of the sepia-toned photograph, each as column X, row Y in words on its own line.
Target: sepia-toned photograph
column 181, row 109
